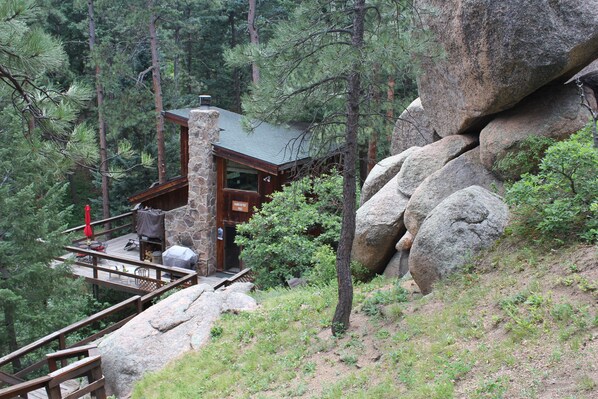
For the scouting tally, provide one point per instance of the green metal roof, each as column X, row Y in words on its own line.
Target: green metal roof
column 277, row 145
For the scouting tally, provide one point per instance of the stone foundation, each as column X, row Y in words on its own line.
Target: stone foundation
column 194, row 225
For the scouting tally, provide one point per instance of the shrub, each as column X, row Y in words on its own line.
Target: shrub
column 281, row 239
column 323, row 269
column 561, row 200
column 524, row 158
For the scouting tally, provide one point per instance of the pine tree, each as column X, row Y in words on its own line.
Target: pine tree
column 322, row 67
column 39, row 142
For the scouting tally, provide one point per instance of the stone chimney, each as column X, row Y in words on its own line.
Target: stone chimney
column 194, row 225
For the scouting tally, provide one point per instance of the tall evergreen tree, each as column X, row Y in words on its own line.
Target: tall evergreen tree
column 38, row 144
column 322, row 67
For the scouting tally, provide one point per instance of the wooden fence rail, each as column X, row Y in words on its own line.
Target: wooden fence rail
column 88, row 365
column 179, row 278
column 136, row 303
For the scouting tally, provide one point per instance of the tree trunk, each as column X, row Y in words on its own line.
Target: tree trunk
column 13, row 345
column 101, row 120
column 362, row 161
column 340, row 321
column 236, row 76
column 253, row 38
column 390, row 97
column 372, row 155
column 189, row 51
column 176, row 62
column 157, row 95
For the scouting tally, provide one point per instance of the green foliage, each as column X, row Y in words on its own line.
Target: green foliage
column 305, row 67
column 323, row 270
column 373, row 305
column 561, row 201
column 525, row 158
column 33, row 213
column 282, row 239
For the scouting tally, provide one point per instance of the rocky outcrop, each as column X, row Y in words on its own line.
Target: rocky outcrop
column 554, row 111
column 495, row 53
column 412, row 129
column 382, row 173
column 459, row 227
column 179, row 323
column 462, row 172
column 423, row 162
column 378, row 226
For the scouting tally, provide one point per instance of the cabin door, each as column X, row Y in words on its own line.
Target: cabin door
column 231, row 250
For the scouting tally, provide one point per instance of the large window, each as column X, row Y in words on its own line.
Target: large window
column 241, row 177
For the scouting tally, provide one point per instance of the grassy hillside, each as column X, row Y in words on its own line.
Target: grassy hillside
column 520, row 323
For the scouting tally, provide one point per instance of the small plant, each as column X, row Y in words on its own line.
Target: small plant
column 216, row 332
column 494, row 388
column 373, row 305
column 349, row 359
column 524, row 158
column 586, row 383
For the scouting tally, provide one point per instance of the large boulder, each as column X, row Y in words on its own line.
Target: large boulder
column 554, row 111
column 464, row 223
column 378, row 226
column 425, row 161
column 492, row 54
column 179, row 323
column 413, row 128
column 462, row 172
column 382, row 173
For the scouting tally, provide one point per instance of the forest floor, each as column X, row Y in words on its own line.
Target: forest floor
column 520, row 322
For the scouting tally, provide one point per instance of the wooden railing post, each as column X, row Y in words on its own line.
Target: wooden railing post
column 139, row 304
column 95, row 266
column 62, row 346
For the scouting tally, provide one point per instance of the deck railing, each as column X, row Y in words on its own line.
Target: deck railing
column 133, row 307
column 127, row 224
column 162, row 275
column 88, row 365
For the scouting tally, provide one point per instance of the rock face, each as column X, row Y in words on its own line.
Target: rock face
column 179, row 323
column 378, row 226
column 398, row 265
column 382, row 173
column 413, row 128
column 405, row 243
column 495, row 53
column 459, row 173
column 460, row 226
column 422, row 163
column 554, row 112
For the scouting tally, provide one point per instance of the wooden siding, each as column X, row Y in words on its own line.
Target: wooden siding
column 168, row 196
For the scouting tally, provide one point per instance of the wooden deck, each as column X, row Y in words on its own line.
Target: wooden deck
column 119, row 271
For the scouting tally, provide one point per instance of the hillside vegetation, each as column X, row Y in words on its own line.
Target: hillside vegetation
column 521, row 322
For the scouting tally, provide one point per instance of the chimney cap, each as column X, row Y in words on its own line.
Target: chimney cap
column 205, row 101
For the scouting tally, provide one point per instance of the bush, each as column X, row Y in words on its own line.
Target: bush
column 323, row 269
column 561, row 200
column 525, row 158
column 282, row 238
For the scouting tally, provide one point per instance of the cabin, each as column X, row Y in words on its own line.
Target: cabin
column 226, row 173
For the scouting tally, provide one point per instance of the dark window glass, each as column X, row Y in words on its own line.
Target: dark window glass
column 241, row 177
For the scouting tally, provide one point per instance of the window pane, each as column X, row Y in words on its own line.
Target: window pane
column 241, row 177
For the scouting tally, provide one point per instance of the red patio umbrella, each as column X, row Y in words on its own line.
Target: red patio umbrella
column 88, row 231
